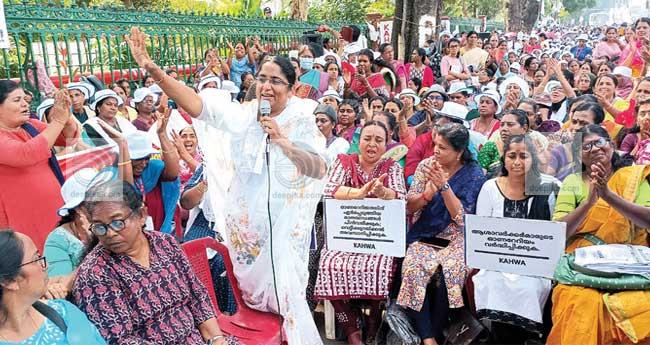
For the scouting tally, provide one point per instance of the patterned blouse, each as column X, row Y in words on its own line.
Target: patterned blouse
column 342, row 175
column 130, row 304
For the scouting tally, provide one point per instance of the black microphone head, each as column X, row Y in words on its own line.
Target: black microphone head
column 265, row 107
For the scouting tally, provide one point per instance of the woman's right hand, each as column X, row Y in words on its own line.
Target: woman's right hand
column 137, row 43
column 112, row 132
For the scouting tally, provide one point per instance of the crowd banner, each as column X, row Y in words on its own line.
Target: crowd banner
column 96, row 158
column 513, row 245
column 368, row 226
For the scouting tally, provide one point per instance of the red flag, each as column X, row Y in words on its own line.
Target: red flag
column 96, row 158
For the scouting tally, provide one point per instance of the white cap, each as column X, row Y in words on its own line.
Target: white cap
column 210, row 78
column 454, row 110
column 445, row 33
column 320, row 61
column 331, row 93
column 74, row 189
column 410, row 93
column 552, row 85
column 458, row 87
column 140, row 145
column 523, row 85
column 103, row 94
column 515, row 66
column 623, row 71
column 140, row 94
column 492, row 94
column 582, row 37
column 155, row 88
column 86, row 88
column 230, row 87
column 45, row 105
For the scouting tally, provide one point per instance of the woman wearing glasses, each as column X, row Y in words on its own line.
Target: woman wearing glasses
column 137, row 286
column 23, row 281
column 275, row 189
column 605, row 204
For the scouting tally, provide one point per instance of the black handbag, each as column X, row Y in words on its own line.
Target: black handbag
column 464, row 330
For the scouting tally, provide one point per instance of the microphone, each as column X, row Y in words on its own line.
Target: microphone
column 265, row 110
column 265, row 107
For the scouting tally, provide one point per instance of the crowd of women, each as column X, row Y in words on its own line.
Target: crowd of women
column 501, row 128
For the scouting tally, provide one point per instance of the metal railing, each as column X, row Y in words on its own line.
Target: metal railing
column 71, row 42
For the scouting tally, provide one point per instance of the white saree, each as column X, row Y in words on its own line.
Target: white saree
column 292, row 205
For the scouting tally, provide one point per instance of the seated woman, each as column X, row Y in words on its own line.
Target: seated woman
column 67, row 243
column 606, row 203
column 445, row 187
column 520, row 192
column 106, row 105
column 25, row 320
column 514, row 122
column 202, row 223
column 374, row 77
column 157, row 180
column 639, row 135
column 358, row 176
column 137, row 286
column 190, row 155
column 326, row 121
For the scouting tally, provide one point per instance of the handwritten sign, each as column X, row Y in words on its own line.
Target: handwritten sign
column 512, row 245
column 369, row 226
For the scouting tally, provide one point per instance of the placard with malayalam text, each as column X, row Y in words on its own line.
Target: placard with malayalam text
column 513, row 245
column 368, row 226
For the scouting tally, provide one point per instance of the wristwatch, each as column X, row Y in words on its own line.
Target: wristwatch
column 444, row 187
column 214, row 339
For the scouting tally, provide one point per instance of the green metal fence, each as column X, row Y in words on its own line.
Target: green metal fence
column 72, row 42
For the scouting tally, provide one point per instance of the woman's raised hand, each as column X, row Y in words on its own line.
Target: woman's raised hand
column 61, row 110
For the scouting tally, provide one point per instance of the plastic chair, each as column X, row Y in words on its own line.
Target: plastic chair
column 251, row 327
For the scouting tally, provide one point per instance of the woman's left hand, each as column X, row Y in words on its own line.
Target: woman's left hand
column 270, row 127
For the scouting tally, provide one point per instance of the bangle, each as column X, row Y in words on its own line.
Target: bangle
column 124, row 163
column 347, row 194
column 216, row 337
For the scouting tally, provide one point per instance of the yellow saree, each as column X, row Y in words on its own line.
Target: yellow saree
column 588, row 316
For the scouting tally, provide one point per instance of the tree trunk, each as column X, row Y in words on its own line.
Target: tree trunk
column 396, row 37
column 299, row 9
column 522, row 14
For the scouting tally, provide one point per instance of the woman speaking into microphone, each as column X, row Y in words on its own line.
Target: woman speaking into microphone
column 271, row 203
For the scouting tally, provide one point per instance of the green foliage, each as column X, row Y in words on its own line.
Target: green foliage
column 574, row 6
column 343, row 10
column 383, row 7
column 472, row 8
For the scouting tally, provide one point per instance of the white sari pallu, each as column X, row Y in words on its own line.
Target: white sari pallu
column 292, row 205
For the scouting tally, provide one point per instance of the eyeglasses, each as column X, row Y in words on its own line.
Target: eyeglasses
column 435, row 98
column 117, row 225
column 600, row 143
column 40, row 258
column 273, row 80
